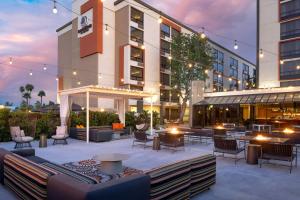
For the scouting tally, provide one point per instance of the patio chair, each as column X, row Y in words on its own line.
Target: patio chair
column 60, row 136
column 140, row 135
column 280, row 152
column 227, row 146
column 18, row 136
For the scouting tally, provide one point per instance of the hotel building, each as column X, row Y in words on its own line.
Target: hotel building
column 279, row 40
column 122, row 44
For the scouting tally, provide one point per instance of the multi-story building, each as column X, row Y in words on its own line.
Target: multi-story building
column 279, row 42
column 127, row 44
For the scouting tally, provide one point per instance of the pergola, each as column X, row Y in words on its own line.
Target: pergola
column 120, row 94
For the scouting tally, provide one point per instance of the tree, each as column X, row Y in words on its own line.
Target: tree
column 7, row 103
column 191, row 57
column 41, row 94
column 26, row 92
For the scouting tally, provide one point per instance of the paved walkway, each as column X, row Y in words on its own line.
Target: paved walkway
column 241, row 181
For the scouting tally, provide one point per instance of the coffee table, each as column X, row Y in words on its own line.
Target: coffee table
column 111, row 163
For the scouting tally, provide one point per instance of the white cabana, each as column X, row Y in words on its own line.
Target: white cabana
column 119, row 94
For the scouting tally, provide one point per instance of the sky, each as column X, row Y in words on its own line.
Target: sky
column 28, row 36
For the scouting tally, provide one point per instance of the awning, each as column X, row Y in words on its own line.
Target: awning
column 289, row 97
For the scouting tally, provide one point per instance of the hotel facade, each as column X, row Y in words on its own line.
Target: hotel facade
column 121, row 44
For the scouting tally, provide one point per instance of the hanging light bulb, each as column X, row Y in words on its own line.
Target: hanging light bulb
column 30, row 73
column 45, row 67
column 219, row 75
column 298, row 67
column 190, row 65
column 56, row 79
column 170, row 57
column 281, row 62
column 206, row 71
column 143, row 47
column 78, row 83
column 261, row 53
column 202, row 35
column 54, row 10
column 74, row 73
column 159, row 20
column 230, row 79
column 235, row 45
column 106, row 31
column 122, row 80
column 100, row 77
column 10, row 61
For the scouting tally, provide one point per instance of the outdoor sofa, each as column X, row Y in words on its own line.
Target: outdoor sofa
column 32, row 177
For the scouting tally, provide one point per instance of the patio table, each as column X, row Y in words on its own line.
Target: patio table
column 111, row 163
column 275, row 140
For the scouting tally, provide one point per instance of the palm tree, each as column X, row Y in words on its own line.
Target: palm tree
column 22, row 89
column 42, row 94
column 27, row 96
column 29, row 88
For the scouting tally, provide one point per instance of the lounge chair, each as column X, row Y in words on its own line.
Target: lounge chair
column 227, row 146
column 281, row 152
column 60, row 136
column 18, row 136
column 140, row 135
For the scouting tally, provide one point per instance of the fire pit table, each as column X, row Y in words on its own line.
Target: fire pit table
column 111, row 163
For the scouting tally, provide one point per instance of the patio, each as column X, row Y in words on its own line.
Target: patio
column 241, row 181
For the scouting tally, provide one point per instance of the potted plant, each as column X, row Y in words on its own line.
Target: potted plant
column 42, row 129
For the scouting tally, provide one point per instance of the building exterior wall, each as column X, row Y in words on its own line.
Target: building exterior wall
column 279, row 39
column 112, row 66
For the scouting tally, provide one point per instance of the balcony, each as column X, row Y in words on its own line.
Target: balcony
column 293, row 74
column 137, row 17
column 292, row 13
column 137, row 35
column 137, row 54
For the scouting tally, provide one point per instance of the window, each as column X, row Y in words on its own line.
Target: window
column 165, row 95
column 137, row 54
column 290, row 29
column 174, row 97
column 137, row 16
column 221, row 57
column 233, row 71
column 137, row 35
column 218, row 57
column 245, row 69
column 175, row 33
column 165, row 30
column 135, row 87
column 136, row 73
column 165, row 79
column 289, row 9
column 215, row 54
column 165, row 47
column 233, row 85
column 165, row 63
column 290, row 49
column 289, row 70
column 217, row 83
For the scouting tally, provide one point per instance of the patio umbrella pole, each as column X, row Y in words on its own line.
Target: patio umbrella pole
column 87, row 117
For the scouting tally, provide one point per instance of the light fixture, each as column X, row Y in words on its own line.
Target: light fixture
column 235, row 45
column 122, row 80
column 45, row 67
column 78, row 83
column 206, row 71
column 102, row 110
column 230, row 79
column 239, row 82
column 82, row 108
column 190, row 65
column 219, row 75
column 100, row 77
column 143, row 47
column 261, row 53
column 159, row 20
column 160, row 85
column 170, row 57
column 10, row 61
column 202, row 35
column 298, row 67
column 30, row 73
column 54, row 10
column 102, row 1
column 74, row 73
column 106, row 31
column 56, row 79
column 281, row 62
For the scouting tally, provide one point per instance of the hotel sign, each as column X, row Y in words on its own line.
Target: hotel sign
column 85, row 23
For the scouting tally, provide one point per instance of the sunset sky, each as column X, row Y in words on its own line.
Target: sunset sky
column 28, row 36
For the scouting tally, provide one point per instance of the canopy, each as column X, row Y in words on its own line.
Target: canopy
column 288, row 97
column 120, row 94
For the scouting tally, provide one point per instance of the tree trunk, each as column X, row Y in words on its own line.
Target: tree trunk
column 182, row 110
column 41, row 101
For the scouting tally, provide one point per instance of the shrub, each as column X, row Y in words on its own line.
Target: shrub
column 26, row 121
column 133, row 119
column 4, row 125
column 47, row 124
column 96, row 118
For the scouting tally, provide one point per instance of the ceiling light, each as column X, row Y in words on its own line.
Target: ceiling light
column 159, row 20
column 10, row 61
column 261, row 53
column 106, row 29
column 235, row 45
column 54, row 10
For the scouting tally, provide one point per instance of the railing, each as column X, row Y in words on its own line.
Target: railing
column 139, row 22
column 165, row 34
column 290, row 54
column 137, row 39
column 292, row 74
column 165, row 50
column 290, row 14
column 138, row 59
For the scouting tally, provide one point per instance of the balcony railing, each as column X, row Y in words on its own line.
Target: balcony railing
column 293, row 74
column 290, row 54
column 290, row 34
column 290, row 14
column 137, row 39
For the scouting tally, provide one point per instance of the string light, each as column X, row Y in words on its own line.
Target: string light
column 235, row 45
column 10, row 61
column 56, row 79
column 190, row 65
column 143, row 47
column 281, row 62
column 54, row 10
column 160, row 20
column 30, row 73
column 202, row 35
column 106, row 29
column 100, row 77
column 122, row 80
column 78, row 83
column 206, row 71
column 298, row 67
column 170, row 57
column 261, row 53
column 74, row 73
column 45, row 67
column 230, row 79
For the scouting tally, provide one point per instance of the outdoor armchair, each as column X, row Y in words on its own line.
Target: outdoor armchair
column 18, row 136
column 61, row 135
column 140, row 135
column 226, row 145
